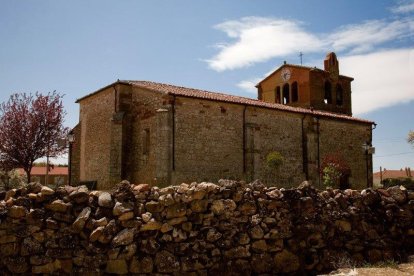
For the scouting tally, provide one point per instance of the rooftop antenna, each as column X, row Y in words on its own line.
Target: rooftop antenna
column 301, row 55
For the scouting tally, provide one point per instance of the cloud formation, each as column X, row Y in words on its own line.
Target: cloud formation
column 404, row 7
column 358, row 38
column 382, row 79
column 249, row 85
column 258, row 39
column 383, row 76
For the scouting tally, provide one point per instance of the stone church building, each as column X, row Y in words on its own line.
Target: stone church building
column 162, row 134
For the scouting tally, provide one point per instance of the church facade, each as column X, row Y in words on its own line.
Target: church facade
column 162, row 134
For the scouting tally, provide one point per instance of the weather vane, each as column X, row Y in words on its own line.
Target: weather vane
column 301, row 55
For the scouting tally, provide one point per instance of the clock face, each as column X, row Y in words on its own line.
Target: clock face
column 285, row 74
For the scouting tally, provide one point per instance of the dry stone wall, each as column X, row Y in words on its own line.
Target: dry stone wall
column 201, row 228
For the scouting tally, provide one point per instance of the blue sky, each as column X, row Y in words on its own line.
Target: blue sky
column 76, row 47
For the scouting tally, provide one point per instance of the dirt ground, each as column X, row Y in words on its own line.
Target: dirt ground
column 398, row 270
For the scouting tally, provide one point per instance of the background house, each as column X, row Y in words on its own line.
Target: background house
column 385, row 174
column 57, row 175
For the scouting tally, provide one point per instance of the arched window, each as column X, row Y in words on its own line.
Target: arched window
column 339, row 95
column 286, row 94
column 277, row 97
column 295, row 95
column 328, row 93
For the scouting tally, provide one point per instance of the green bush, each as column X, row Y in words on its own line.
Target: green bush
column 274, row 159
column 408, row 183
column 11, row 180
column 331, row 175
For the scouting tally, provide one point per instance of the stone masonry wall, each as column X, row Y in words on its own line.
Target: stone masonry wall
column 268, row 131
column 142, row 167
column 203, row 140
column 347, row 139
column 200, row 228
column 96, row 113
column 208, row 140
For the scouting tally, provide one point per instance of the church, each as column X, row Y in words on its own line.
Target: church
column 162, row 134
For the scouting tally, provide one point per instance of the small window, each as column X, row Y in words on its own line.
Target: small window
column 146, row 141
column 328, row 93
column 339, row 95
column 295, row 94
column 286, row 94
column 277, row 98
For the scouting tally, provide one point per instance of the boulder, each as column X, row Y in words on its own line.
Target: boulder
column 151, row 225
column 80, row 221
column 398, row 193
column 286, row 262
column 166, row 262
column 199, row 206
column 154, row 207
column 17, row 264
column 47, row 191
column 58, row 206
column 116, row 267
column 105, row 200
column 176, row 210
column 122, row 208
column 17, row 212
column 125, row 237
column 256, row 232
column 79, row 194
column 141, row 265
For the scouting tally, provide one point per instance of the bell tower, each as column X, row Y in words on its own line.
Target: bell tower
column 309, row 87
column 331, row 65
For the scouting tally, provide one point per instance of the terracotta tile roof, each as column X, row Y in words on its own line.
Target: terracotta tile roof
column 222, row 97
column 42, row 171
column 402, row 173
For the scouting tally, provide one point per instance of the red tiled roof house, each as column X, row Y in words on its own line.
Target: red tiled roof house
column 57, row 176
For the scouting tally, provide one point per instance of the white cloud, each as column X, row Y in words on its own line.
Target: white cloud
column 249, row 85
column 363, row 37
column 382, row 79
column 258, row 39
column 404, row 7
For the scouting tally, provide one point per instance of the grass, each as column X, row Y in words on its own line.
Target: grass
column 388, row 263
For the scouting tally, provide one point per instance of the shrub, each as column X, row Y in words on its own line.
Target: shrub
column 11, row 179
column 408, row 183
column 274, row 159
column 333, row 167
column 271, row 167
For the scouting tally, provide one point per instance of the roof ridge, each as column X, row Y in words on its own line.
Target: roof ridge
column 202, row 90
column 210, row 95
